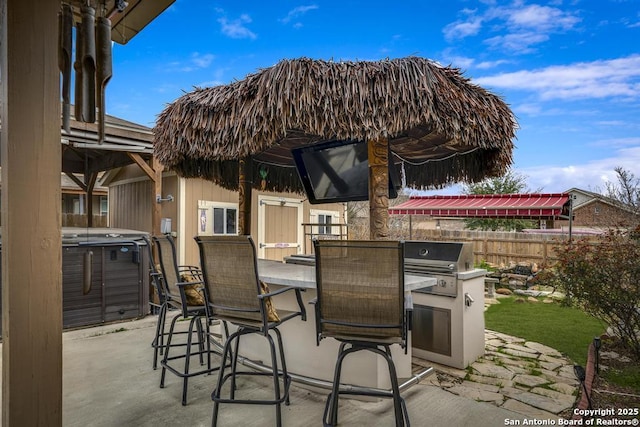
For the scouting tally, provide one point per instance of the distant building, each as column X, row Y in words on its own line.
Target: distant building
column 74, row 203
column 595, row 210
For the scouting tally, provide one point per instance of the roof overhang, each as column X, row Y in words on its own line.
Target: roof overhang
column 516, row 206
column 127, row 23
column 83, row 153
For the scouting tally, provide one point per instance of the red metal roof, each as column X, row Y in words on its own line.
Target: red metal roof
column 526, row 206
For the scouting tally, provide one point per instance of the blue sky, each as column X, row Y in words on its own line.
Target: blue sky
column 570, row 70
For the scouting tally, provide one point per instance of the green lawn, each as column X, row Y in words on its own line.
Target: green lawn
column 566, row 329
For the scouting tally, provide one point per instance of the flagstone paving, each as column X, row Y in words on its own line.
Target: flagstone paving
column 525, row 377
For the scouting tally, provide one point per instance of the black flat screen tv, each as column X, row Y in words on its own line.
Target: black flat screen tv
column 338, row 171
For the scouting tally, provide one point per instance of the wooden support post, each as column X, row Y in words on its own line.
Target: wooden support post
column 378, row 151
column 245, row 184
column 91, row 183
column 156, row 212
column 31, row 214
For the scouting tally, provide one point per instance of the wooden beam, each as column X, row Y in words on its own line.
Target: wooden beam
column 77, row 180
column 378, row 151
column 91, row 183
column 143, row 165
column 31, row 220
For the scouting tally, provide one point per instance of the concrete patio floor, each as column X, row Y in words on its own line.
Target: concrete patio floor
column 109, row 381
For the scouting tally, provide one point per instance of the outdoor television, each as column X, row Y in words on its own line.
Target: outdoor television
column 338, row 171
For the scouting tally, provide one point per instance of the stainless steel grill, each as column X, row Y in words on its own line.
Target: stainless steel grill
column 442, row 260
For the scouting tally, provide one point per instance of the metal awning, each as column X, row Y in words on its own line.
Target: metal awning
column 524, row 206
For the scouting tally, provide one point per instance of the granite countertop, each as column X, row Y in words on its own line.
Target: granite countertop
column 304, row 276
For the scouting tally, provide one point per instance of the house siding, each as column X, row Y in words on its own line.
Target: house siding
column 130, row 205
column 131, row 201
column 599, row 215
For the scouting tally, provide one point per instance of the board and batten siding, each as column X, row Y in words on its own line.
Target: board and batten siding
column 194, row 191
column 130, row 205
column 131, row 201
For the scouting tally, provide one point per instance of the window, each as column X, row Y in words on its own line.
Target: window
column 326, row 220
column 104, row 205
column 224, row 220
column 78, row 205
column 217, row 218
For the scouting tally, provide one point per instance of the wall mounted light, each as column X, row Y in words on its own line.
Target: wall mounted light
column 159, row 198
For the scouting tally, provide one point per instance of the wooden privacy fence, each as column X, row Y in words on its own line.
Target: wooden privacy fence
column 78, row 220
column 500, row 248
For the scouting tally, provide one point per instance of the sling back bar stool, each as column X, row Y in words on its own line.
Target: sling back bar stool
column 197, row 316
column 360, row 302
column 235, row 295
column 159, row 308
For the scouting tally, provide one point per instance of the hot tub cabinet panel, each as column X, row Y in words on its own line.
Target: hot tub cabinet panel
column 79, row 309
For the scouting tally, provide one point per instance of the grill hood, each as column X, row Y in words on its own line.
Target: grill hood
column 438, row 257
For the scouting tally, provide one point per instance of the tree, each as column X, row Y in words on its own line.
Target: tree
column 626, row 190
column 509, row 183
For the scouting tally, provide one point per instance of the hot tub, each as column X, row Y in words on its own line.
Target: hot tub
column 118, row 288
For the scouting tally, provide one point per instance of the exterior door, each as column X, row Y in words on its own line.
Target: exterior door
column 279, row 227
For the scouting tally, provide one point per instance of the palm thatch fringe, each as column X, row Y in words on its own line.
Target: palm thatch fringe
column 225, row 174
column 285, row 179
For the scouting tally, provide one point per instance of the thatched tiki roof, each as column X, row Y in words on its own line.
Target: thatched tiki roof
column 441, row 127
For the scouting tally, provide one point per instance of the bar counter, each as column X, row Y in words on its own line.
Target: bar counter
column 307, row 359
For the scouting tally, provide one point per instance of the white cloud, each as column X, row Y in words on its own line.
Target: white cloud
column 591, row 176
column 210, row 83
column 537, row 18
column 465, row 62
column 202, row 61
column 519, row 27
column 588, row 176
column 520, row 43
column 297, row 12
column 597, row 79
column 611, row 123
column 462, row 29
column 461, row 61
column 529, row 109
column 236, row 28
column 216, row 79
column 195, row 62
column 632, row 142
column 491, row 64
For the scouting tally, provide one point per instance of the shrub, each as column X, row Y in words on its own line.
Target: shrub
column 485, row 265
column 602, row 277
